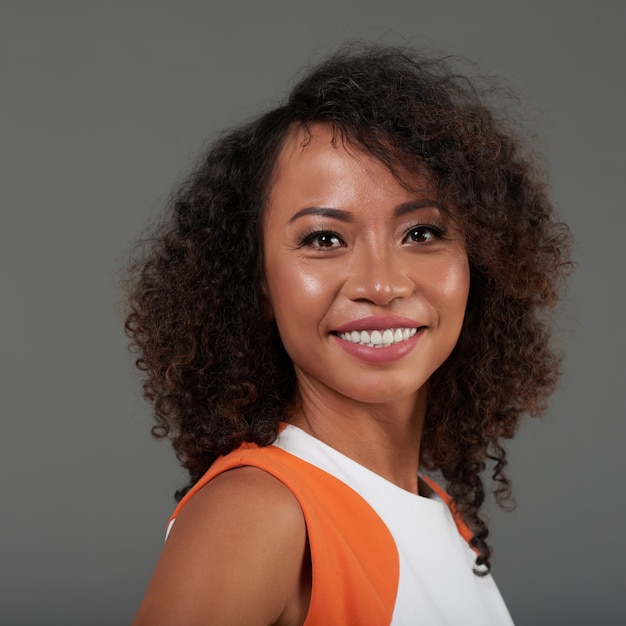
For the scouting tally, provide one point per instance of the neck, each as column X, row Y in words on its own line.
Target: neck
column 385, row 438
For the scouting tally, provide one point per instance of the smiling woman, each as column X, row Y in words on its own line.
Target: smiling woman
column 349, row 295
column 364, row 255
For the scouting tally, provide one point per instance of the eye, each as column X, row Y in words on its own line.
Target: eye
column 423, row 233
column 322, row 239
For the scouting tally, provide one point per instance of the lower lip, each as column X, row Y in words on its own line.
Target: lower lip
column 378, row 356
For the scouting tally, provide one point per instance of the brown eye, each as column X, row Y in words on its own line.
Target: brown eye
column 322, row 239
column 327, row 241
column 423, row 234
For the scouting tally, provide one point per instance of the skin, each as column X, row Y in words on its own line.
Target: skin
column 343, row 241
column 236, row 555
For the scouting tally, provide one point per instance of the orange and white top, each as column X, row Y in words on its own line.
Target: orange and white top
column 379, row 554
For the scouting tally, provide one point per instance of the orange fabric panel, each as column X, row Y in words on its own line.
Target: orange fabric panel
column 461, row 526
column 354, row 557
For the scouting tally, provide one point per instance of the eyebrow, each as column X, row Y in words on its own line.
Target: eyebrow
column 415, row 205
column 346, row 216
column 338, row 214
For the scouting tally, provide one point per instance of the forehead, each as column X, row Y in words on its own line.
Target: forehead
column 317, row 160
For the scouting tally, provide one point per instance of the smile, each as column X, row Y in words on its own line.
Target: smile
column 378, row 338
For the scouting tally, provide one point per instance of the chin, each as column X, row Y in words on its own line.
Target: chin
column 382, row 394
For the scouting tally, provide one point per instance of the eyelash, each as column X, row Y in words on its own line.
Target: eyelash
column 437, row 231
column 309, row 238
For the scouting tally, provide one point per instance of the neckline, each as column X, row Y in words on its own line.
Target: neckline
column 434, row 496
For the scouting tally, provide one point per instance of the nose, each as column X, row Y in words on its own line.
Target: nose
column 379, row 275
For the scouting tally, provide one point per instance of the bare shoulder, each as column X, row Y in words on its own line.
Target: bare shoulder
column 237, row 554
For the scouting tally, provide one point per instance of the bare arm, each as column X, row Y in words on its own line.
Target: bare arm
column 237, row 554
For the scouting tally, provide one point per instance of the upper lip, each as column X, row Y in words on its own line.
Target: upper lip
column 374, row 322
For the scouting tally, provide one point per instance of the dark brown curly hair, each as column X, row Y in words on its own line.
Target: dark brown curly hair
column 215, row 369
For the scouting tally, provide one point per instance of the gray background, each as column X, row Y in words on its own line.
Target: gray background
column 103, row 108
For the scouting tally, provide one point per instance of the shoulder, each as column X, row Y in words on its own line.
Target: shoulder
column 235, row 555
column 244, row 498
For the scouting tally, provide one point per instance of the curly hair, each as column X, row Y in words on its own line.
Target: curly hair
column 214, row 366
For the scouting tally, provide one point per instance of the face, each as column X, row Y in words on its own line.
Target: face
column 366, row 280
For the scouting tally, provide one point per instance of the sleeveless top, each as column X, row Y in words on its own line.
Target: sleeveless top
column 380, row 555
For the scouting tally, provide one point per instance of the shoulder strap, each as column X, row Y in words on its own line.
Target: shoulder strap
column 461, row 526
column 354, row 557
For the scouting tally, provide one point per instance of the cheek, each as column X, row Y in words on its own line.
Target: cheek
column 454, row 286
column 294, row 290
column 308, row 284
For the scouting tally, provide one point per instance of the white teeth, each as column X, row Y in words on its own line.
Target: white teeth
column 379, row 338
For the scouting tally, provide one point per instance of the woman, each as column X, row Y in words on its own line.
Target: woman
column 350, row 290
